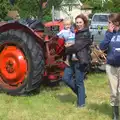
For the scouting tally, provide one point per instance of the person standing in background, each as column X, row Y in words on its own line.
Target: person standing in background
column 111, row 43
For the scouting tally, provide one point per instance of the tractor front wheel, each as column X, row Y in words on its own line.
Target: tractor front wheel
column 21, row 62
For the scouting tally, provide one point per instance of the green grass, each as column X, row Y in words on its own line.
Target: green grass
column 59, row 103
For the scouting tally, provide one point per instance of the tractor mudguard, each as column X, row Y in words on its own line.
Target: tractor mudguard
column 18, row 26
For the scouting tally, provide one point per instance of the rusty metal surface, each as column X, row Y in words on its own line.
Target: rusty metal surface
column 2, row 23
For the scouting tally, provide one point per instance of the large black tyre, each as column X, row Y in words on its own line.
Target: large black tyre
column 33, row 55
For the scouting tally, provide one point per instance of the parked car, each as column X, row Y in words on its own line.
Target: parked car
column 98, row 26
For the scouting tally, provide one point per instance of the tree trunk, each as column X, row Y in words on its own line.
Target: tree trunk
column 40, row 16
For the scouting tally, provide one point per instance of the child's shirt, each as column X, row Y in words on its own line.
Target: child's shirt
column 67, row 35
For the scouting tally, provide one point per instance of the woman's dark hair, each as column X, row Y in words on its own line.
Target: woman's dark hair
column 115, row 18
column 84, row 18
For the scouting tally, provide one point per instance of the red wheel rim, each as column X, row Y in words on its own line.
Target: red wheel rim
column 13, row 66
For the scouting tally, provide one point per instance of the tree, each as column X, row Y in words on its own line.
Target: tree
column 28, row 8
column 116, row 6
column 4, row 6
column 108, row 6
column 35, row 8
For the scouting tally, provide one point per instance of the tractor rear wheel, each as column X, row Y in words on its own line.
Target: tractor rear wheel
column 21, row 62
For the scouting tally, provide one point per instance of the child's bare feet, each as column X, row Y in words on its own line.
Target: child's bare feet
column 74, row 59
column 67, row 62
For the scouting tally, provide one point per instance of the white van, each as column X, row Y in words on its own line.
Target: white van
column 98, row 26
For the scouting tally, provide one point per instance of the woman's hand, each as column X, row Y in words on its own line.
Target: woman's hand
column 111, row 27
column 68, row 44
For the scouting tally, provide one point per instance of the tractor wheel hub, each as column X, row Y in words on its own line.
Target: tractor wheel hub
column 13, row 65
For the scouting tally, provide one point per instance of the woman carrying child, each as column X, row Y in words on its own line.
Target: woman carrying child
column 78, row 65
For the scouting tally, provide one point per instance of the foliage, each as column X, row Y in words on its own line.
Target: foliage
column 55, row 3
column 33, row 8
column 116, row 6
column 103, row 5
column 4, row 6
column 26, row 8
column 30, row 8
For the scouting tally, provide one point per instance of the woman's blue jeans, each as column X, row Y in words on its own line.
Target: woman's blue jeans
column 77, row 84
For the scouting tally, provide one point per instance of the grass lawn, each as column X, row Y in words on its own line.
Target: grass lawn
column 59, row 103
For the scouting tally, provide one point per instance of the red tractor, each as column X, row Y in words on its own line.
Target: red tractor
column 29, row 53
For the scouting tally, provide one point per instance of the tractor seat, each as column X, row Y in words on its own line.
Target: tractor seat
column 33, row 24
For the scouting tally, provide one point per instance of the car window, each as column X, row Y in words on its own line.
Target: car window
column 100, row 18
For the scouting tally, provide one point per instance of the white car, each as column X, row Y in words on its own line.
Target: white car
column 98, row 26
